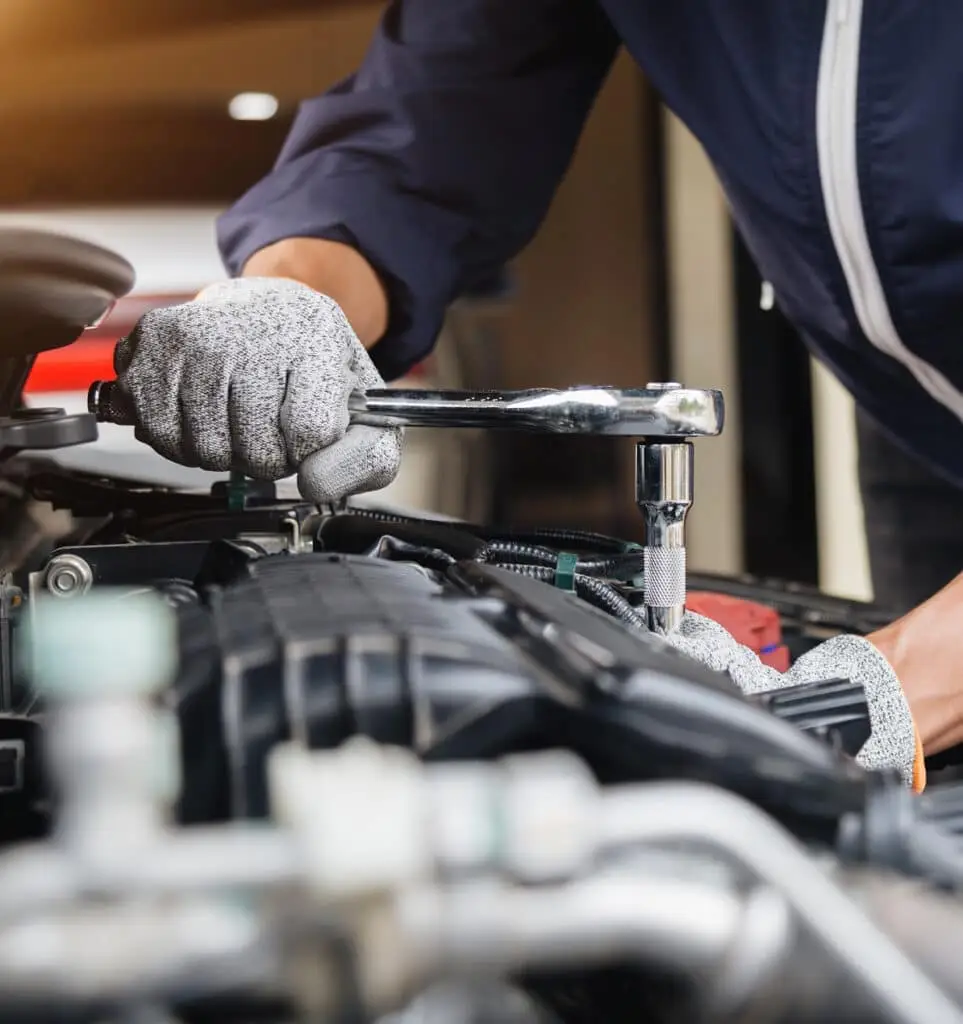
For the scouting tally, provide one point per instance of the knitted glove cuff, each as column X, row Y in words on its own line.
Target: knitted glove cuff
column 253, row 289
column 893, row 743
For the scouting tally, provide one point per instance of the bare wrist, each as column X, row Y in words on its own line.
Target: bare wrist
column 337, row 270
column 927, row 674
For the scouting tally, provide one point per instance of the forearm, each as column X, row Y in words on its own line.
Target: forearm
column 335, row 270
column 924, row 649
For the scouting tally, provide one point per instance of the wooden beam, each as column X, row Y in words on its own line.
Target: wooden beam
column 48, row 26
column 293, row 57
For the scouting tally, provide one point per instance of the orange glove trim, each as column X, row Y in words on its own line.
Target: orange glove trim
column 919, row 766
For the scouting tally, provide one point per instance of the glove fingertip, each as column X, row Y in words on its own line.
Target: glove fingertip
column 314, row 484
column 365, row 459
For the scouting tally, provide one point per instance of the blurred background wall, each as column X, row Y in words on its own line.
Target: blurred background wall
column 126, row 121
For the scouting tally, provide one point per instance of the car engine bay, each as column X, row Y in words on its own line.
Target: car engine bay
column 267, row 761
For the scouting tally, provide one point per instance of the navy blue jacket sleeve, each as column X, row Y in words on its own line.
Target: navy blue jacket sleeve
column 438, row 159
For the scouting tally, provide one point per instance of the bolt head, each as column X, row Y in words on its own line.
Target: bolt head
column 65, row 581
column 68, row 576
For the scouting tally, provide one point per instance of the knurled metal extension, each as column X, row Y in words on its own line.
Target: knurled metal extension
column 664, row 576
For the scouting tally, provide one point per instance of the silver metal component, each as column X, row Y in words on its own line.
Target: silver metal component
column 110, row 403
column 104, row 758
column 530, row 817
column 112, row 755
column 68, row 576
column 126, row 952
column 43, row 878
column 589, row 922
column 611, row 412
column 204, row 911
column 547, row 817
column 669, row 812
column 95, row 397
column 664, row 493
column 656, row 411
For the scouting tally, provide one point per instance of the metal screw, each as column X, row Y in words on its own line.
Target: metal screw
column 68, row 576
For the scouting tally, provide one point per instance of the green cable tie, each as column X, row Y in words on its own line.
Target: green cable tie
column 565, row 566
column 237, row 492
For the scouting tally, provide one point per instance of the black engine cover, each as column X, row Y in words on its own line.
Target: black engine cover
column 472, row 664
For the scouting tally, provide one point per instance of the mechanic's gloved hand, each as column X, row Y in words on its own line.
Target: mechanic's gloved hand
column 254, row 375
column 893, row 743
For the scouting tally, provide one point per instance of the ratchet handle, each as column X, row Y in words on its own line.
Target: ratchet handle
column 652, row 412
column 649, row 412
column 108, row 402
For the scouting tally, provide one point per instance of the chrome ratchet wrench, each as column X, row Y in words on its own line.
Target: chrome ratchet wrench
column 663, row 416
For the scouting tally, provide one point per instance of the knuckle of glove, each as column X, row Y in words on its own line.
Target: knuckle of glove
column 262, row 464
column 384, row 460
column 364, row 370
column 319, row 323
column 161, row 339
column 367, row 459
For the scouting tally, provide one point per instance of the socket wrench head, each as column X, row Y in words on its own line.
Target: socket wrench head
column 664, row 493
column 664, row 478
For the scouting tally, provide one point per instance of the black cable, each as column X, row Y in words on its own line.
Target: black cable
column 625, row 566
column 393, row 550
column 381, row 517
column 517, row 554
column 535, row 572
column 570, row 538
column 580, row 539
column 605, row 597
column 592, row 590
column 540, row 562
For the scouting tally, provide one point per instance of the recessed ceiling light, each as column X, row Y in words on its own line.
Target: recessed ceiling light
column 253, row 106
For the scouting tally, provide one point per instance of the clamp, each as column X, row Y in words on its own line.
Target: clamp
column 662, row 416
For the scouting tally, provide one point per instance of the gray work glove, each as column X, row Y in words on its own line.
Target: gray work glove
column 254, row 375
column 892, row 743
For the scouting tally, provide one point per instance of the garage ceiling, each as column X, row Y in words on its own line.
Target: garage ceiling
column 172, row 54
column 99, row 105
